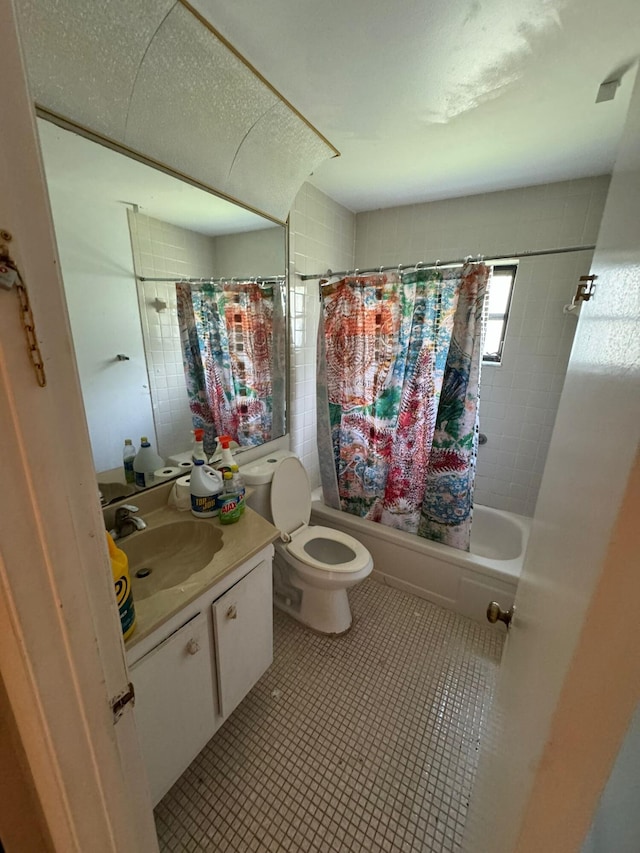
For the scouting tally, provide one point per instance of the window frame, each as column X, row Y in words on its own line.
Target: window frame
column 513, row 269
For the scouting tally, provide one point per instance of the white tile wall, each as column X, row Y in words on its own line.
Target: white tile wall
column 519, row 398
column 322, row 236
column 251, row 253
column 160, row 249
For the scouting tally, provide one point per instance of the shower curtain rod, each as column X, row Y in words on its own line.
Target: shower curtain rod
column 275, row 279
column 434, row 264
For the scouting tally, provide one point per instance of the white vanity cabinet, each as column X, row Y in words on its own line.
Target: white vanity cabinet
column 192, row 672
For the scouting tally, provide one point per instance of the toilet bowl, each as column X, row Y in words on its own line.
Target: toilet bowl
column 313, row 566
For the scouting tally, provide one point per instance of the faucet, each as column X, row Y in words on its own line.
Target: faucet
column 126, row 523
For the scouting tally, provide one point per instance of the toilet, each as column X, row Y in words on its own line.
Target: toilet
column 313, row 566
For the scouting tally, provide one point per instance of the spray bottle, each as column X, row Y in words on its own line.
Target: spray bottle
column 197, row 451
column 225, row 462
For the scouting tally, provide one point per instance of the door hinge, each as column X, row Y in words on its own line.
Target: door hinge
column 586, row 288
column 120, row 702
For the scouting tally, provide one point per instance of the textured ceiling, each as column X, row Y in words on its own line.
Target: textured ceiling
column 430, row 99
column 152, row 77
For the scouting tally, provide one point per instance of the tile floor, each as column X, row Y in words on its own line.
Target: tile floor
column 367, row 742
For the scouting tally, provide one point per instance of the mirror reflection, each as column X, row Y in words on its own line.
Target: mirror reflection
column 177, row 305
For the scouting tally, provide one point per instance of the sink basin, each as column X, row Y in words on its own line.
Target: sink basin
column 167, row 556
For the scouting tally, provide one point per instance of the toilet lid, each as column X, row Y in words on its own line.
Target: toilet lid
column 290, row 496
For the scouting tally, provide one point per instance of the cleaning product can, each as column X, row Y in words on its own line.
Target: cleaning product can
column 205, row 488
column 122, row 582
column 128, row 455
column 146, row 462
column 229, row 502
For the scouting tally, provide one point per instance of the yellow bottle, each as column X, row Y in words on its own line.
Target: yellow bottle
column 122, row 581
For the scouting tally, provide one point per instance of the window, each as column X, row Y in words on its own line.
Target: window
column 497, row 311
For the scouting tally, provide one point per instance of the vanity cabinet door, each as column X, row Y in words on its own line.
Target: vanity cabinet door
column 175, row 705
column 243, row 626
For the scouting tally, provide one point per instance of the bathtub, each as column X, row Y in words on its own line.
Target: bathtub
column 460, row 581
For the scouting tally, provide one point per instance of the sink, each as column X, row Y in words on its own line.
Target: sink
column 167, row 556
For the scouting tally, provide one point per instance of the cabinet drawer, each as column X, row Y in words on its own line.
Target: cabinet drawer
column 243, row 626
column 174, row 707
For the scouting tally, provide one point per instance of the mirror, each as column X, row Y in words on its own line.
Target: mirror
column 118, row 221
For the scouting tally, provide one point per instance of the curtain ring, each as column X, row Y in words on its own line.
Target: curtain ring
column 419, row 265
column 399, row 269
column 437, row 264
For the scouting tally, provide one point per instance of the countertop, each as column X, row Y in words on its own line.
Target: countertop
column 241, row 541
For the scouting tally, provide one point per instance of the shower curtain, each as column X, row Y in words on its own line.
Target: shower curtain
column 398, row 384
column 232, row 337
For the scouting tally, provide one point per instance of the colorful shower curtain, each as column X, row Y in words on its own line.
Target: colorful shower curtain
column 232, row 345
column 398, row 383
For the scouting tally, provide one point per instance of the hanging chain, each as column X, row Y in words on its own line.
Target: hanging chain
column 9, row 277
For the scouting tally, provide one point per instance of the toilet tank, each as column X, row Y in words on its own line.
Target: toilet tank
column 257, row 477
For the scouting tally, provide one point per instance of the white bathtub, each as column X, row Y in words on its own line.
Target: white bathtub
column 461, row 581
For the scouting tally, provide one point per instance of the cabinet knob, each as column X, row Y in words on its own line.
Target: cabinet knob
column 232, row 612
column 193, row 647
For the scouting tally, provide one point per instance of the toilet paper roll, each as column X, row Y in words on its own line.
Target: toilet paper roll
column 185, row 466
column 180, row 496
column 167, row 473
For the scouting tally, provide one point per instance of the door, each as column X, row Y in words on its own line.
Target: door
column 175, row 709
column 570, row 676
column 243, row 627
column 61, row 651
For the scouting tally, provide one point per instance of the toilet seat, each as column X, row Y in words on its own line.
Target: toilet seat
column 306, row 535
column 291, row 511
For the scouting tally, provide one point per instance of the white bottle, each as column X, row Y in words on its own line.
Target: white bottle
column 128, row 455
column 198, row 447
column 145, row 463
column 226, row 457
column 205, row 488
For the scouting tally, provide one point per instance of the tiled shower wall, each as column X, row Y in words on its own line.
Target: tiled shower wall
column 161, row 250
column 322, row 236
column 519, row 398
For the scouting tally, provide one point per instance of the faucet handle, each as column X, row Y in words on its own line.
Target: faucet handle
column 129, row 507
